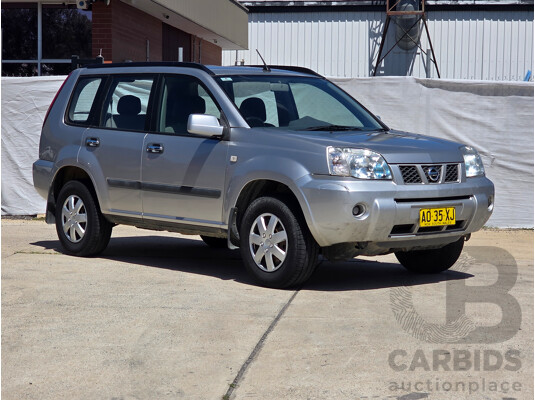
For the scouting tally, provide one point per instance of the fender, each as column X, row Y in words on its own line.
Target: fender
column 51, row 201
column 278, row 169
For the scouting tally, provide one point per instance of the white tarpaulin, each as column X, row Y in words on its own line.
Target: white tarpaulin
column 494, row 117
column 24, row 105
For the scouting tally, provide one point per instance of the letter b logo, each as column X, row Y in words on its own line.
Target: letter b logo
column 459, row 328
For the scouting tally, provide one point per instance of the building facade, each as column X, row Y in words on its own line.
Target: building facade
column 39, row 38
column 478, row 40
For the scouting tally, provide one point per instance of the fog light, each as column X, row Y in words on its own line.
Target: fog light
column 491, row 203
column 359, row 210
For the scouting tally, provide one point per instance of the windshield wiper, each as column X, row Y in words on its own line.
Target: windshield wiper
column 333, row 128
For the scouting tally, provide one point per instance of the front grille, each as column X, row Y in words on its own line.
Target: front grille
column 432, row 173
column 452, row 173
column 429, row 174
column 401, row 229
column 410, row 174
column 406, row 229
column 458, row 225
column 428, row 229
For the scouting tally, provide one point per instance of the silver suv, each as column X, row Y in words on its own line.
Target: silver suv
column 277, row 161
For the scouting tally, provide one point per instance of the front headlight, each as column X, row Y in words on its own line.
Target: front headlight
column 358, row 163
column 472, row 162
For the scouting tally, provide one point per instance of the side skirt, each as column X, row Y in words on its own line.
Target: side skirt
column 185, row 229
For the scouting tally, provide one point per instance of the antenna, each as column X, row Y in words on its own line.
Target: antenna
column 265, row 67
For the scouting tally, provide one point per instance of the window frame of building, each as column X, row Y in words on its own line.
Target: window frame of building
column 39, row 61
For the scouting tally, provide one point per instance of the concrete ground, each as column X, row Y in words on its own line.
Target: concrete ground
column 161, row 315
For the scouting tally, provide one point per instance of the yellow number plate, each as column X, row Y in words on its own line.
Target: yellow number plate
column 437, row 216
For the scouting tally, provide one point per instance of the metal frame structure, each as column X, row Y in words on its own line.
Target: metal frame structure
column 392, row 12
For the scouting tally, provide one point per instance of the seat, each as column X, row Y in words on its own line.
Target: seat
column 253, row 110
column 179, row 111
column 128, row 118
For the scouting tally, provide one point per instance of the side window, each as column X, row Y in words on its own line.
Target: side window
column 127, row 103
column 82, row 100
column 257, row 103
column 183, row 95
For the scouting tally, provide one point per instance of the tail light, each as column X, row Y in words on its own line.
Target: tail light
column 55, row 97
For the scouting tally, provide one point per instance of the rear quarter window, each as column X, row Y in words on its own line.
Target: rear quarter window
column 82, row 101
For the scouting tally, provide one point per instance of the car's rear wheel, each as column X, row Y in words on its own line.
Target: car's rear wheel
column 276, row 245
column 215, row 242
column 81, row 227
column 431, row 261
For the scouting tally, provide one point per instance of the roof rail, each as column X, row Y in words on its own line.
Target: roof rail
column 288, row 68
column 153, row 64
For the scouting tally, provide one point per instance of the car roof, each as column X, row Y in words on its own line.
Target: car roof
column 216, row 70
column 260, row 70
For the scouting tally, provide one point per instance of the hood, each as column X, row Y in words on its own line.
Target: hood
column 395, row 146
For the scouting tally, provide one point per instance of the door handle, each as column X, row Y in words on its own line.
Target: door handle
column 154, row 148
column 92, row 142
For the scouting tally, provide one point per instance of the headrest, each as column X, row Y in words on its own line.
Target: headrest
column 129, row 105
column 198, row 105
column 253, row 107
column 188, row 105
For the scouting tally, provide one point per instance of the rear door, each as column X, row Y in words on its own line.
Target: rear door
column 112, row 148
column 183, row 175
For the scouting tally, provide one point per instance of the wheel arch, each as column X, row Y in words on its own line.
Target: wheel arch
column 64, row 175
column 255, row 189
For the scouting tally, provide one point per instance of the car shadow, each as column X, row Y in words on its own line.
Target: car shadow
column 360, row 274
column 177, row 254
column 193, row 256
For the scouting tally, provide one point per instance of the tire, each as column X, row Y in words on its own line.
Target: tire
column 215, row 242
column 89, row 232
column 287, row 253
column 431, row 261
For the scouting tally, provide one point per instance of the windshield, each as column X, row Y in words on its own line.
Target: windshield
column 296, row 103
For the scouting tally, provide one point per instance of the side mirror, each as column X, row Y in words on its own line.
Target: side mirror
column 204, row 125
column 378, row 117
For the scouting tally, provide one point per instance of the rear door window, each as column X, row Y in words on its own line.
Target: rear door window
column 127, row 103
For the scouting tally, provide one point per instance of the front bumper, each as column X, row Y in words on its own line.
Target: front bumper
column 391, row 216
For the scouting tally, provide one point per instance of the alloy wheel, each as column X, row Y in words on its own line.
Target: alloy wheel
column 268, row 242
column 74, row 218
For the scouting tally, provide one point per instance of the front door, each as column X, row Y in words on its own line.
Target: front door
column 183, row 175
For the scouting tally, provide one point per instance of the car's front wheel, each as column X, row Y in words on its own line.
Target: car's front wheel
column 276, row 245
column 81, row 227
column 431, row 261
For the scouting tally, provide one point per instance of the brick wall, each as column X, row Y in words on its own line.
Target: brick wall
column 210, row 53
column 101, row 27
column 131, row 30
column 122, row 31
column 172, row 39
column 125, row 38
column 205, row 52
